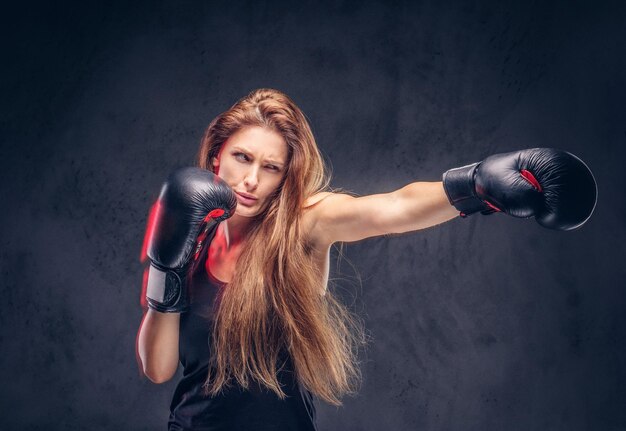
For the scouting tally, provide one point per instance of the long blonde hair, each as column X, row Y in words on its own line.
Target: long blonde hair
column 274, row 301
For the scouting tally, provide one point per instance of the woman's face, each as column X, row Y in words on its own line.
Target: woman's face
column 252, row 161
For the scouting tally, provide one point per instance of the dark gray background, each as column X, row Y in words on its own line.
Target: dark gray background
column 487, row 323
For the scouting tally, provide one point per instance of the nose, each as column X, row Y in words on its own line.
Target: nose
column 251, row 180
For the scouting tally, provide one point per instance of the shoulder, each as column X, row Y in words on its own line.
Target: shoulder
column 310, row 215
column 323, row 203
column 319, row 212
column 314, row 199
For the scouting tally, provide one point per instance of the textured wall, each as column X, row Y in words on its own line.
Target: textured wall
column 486, row 323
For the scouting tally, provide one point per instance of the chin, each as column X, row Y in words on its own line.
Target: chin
column 246, row 212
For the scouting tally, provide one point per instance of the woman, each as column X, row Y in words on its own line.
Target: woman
column 261, row 333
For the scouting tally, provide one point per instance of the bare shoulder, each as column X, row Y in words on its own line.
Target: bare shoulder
column 315, row 209
column 310, row 213
column 314, row 199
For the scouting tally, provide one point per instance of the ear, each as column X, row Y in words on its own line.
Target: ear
column 215, row 162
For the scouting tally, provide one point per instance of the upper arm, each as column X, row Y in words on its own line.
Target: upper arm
column 339, row 217
column 343, row 218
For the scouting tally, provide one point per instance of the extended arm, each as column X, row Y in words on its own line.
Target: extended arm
column 552, row 185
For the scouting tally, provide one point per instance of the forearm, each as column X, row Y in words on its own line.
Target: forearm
column 420, row 205
column 158, row 345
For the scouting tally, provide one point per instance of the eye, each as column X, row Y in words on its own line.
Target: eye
column 244, row 158
column 241, row 156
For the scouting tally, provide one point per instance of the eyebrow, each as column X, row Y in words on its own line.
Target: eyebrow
column 267, row 160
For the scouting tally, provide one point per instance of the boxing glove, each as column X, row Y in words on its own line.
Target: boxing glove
column 553, row 186
column 191, row 204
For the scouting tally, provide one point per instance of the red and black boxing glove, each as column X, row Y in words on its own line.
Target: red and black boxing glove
column 191, row 204
column 554, row 186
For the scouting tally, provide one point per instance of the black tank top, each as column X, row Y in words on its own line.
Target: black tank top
column 256, row 408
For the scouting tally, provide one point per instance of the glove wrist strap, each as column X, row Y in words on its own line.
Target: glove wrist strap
column 459, row 186
column 165, row 291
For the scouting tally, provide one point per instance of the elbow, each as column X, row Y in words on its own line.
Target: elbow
column 158, row 376
column 159, row 379
column 158, row 370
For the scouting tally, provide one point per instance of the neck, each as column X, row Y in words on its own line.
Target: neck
column 234, row 230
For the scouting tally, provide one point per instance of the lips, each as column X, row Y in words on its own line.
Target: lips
column 247, row 196
column 244, row 200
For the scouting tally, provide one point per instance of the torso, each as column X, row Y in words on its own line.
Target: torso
column 222, row 261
